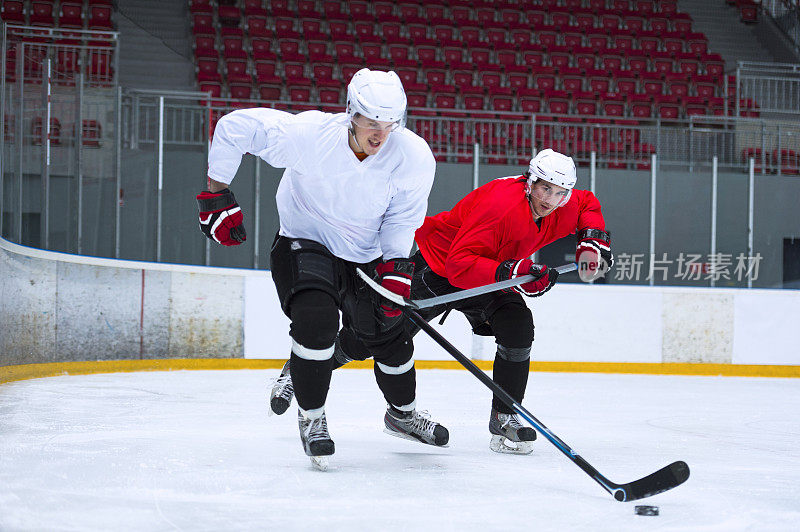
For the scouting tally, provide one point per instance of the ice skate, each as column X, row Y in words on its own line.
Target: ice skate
column 509, row 435
column 415, row 426
column 317, row 443
column 282, row 392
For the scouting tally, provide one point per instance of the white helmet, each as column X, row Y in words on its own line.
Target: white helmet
column 377, row 95
column 555, row 168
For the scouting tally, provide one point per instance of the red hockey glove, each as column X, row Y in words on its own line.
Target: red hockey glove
column 593, row 255
column 544, row 277
column 396, row 276
column 221, row 217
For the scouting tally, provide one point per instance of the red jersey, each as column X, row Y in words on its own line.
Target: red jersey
column 494, row 223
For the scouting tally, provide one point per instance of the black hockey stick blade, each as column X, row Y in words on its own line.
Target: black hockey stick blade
column 662, row 480
column 455, row 296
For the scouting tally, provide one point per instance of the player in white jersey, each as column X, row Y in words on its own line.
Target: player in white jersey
column 354, row 191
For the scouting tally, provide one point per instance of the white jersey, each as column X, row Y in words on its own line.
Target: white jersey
column 359, row 210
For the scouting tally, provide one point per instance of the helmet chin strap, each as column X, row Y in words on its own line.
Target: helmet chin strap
column 352, row 131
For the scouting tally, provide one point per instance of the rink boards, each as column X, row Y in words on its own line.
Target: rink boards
column 62, row 310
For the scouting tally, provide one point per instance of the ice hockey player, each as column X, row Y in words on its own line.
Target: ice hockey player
column 488, row 237
column 354, row 190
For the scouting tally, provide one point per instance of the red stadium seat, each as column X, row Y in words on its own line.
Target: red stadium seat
column 269, row 92
column 333, row 10
column 586, row 107
column 359, row 11
column 560, row 19
column 261, row 50
column 208, row 70
column 340, row 30
column 637, row 63
column 295, row 74
column 311, row 30
column 611, row 63
column 659, row 25
column 258, row 27
column 373, row 56
column 399, row 57
column 462, row 15
column 346, row 53
column 679, row 88
column 265, row 73
column 71, row 15
column 205, row 46
column 410, row 13
column 41, row 14
column 410, row 80
column 599, row 85
column 559, row 106
column 446, row 36
column 233, row 48
column 278, row 8
column 324, row 76
column 418, row 34
column 236, row 71
column 285, row 29
column 229, row 15
column 384, row 12
column 13, row 12
column 290, row 51
column 241, row 91
column 254, row 8
column 392, row 33
column 530, row 105
column 365, row 33
column 584, row 22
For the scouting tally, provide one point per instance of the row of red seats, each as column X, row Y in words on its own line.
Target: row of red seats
column 613, row 104
column 95, row 15
column 681, row 83
column 455, row 58
column 496, row 14
column 91, row 131
column 661, row 47
column 420, row 33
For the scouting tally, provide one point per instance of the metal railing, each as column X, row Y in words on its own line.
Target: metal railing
column 58, row 98
column 511, row 138
column 773, row 87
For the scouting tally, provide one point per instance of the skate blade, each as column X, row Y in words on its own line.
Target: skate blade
column 320, row 463
column 411, row 438
column 501, row 444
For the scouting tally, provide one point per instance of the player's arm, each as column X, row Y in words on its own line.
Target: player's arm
column 245, row 131
column 472, row 260
column 404, row 215
column 593, row 252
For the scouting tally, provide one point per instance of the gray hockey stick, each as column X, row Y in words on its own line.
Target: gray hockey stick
column 455, row 296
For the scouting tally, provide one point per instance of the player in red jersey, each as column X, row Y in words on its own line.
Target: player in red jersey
column 489, row 236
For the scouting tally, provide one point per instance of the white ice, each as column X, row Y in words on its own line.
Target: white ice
column 195, row 450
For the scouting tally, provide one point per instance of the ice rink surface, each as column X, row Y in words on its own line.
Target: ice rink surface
column 195, row 450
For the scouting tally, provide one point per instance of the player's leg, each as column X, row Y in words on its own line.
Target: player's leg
column 305, row 275
column 506, row 317
column 512, row 325
column 388, row 340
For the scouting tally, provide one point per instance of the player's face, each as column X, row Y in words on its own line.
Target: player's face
column 545, row 197
column 371, row 134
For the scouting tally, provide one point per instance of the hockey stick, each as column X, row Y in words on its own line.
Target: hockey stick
column 455, row 296
column 664, row 479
